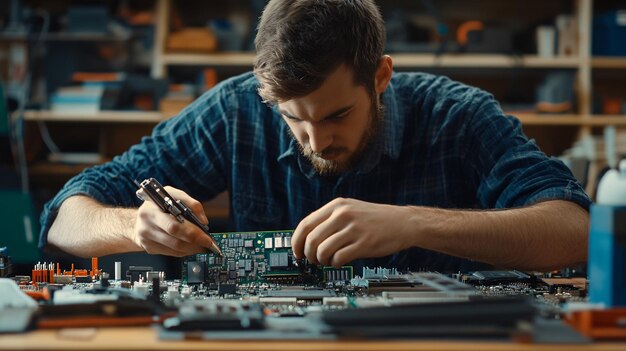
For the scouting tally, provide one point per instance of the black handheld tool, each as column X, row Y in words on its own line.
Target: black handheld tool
column 168, row 204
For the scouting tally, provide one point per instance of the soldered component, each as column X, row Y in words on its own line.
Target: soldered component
column 279, row 259
column 332, row 274
column 340, row 301
column 118, row 271
column 195, row 272
column 278, row 242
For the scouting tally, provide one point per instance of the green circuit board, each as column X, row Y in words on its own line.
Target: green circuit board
column 257, row 257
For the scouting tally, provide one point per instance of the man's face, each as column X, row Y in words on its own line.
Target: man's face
column 334, row 124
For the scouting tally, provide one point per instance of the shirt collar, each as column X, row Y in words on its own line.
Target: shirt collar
column 388, row 141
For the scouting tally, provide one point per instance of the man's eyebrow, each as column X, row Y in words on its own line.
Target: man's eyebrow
column 330, row 115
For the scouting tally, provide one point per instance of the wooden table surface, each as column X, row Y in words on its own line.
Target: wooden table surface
column 144, row 338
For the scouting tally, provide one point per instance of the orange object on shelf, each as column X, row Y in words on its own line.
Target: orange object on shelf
column 97, row 76
column 462, row 32
column 548, row 107
column 612, row 106
column 210, row 78
column 192, row 39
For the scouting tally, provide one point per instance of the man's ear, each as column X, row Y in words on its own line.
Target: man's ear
column 383, row 74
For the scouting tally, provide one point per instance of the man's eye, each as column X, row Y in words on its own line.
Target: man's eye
column 339, row 117
column 292, row 118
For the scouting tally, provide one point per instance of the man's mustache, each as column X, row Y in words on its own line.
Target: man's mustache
column 328, row 151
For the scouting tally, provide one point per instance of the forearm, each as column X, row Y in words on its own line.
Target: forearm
column 544, row 236
column 86, row 228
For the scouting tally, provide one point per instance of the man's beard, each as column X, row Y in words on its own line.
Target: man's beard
column 332, row 167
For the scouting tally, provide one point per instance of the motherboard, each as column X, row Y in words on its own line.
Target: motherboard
column 258, row 290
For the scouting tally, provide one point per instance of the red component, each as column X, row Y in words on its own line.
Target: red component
column 94, row 266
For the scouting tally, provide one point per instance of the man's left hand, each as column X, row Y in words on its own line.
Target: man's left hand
column 346, row 229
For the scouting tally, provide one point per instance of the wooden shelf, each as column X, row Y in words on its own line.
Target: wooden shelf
column 65, row 36
column 535, row 119
column 482, row 60
column 608, row 62
column 605, row 120
column 99, row 117
column 217, row 59
column 403, row 60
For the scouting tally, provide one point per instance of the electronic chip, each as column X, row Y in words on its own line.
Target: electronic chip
column 279, row 259
column 195, row 272
column 278, row 242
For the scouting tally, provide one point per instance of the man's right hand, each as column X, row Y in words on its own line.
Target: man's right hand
column 158, row 232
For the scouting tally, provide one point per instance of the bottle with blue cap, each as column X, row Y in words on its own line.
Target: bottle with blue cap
column 607, row 241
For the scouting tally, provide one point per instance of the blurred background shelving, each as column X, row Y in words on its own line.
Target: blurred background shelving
column 102, row 73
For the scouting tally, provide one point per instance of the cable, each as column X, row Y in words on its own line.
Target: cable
column 47, row 139
column 17, row 123
column 43, row 127
column 18, row 135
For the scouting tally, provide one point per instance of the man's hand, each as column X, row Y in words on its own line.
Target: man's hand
column 158, row 232
column 346, row 229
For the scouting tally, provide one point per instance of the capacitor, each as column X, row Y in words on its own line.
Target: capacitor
column 172, row 292
column 141, row 287
column 118, row 271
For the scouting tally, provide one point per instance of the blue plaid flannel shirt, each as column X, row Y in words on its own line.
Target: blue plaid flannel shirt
column 442, row 144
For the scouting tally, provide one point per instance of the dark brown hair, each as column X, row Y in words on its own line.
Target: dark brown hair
column 299, row 42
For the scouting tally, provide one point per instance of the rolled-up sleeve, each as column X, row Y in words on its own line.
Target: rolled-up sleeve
column 185, row 152
column 508, row 169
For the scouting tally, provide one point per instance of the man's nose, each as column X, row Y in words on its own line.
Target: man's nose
column 319, row 137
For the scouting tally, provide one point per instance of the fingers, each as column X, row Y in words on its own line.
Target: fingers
column 154, row 241
column 308, row 224
column 159, row 236
column 192, row 203
column 344, row 255
column 156, row 248
column 328, row 248
column 165, row 229
column 325, row 230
